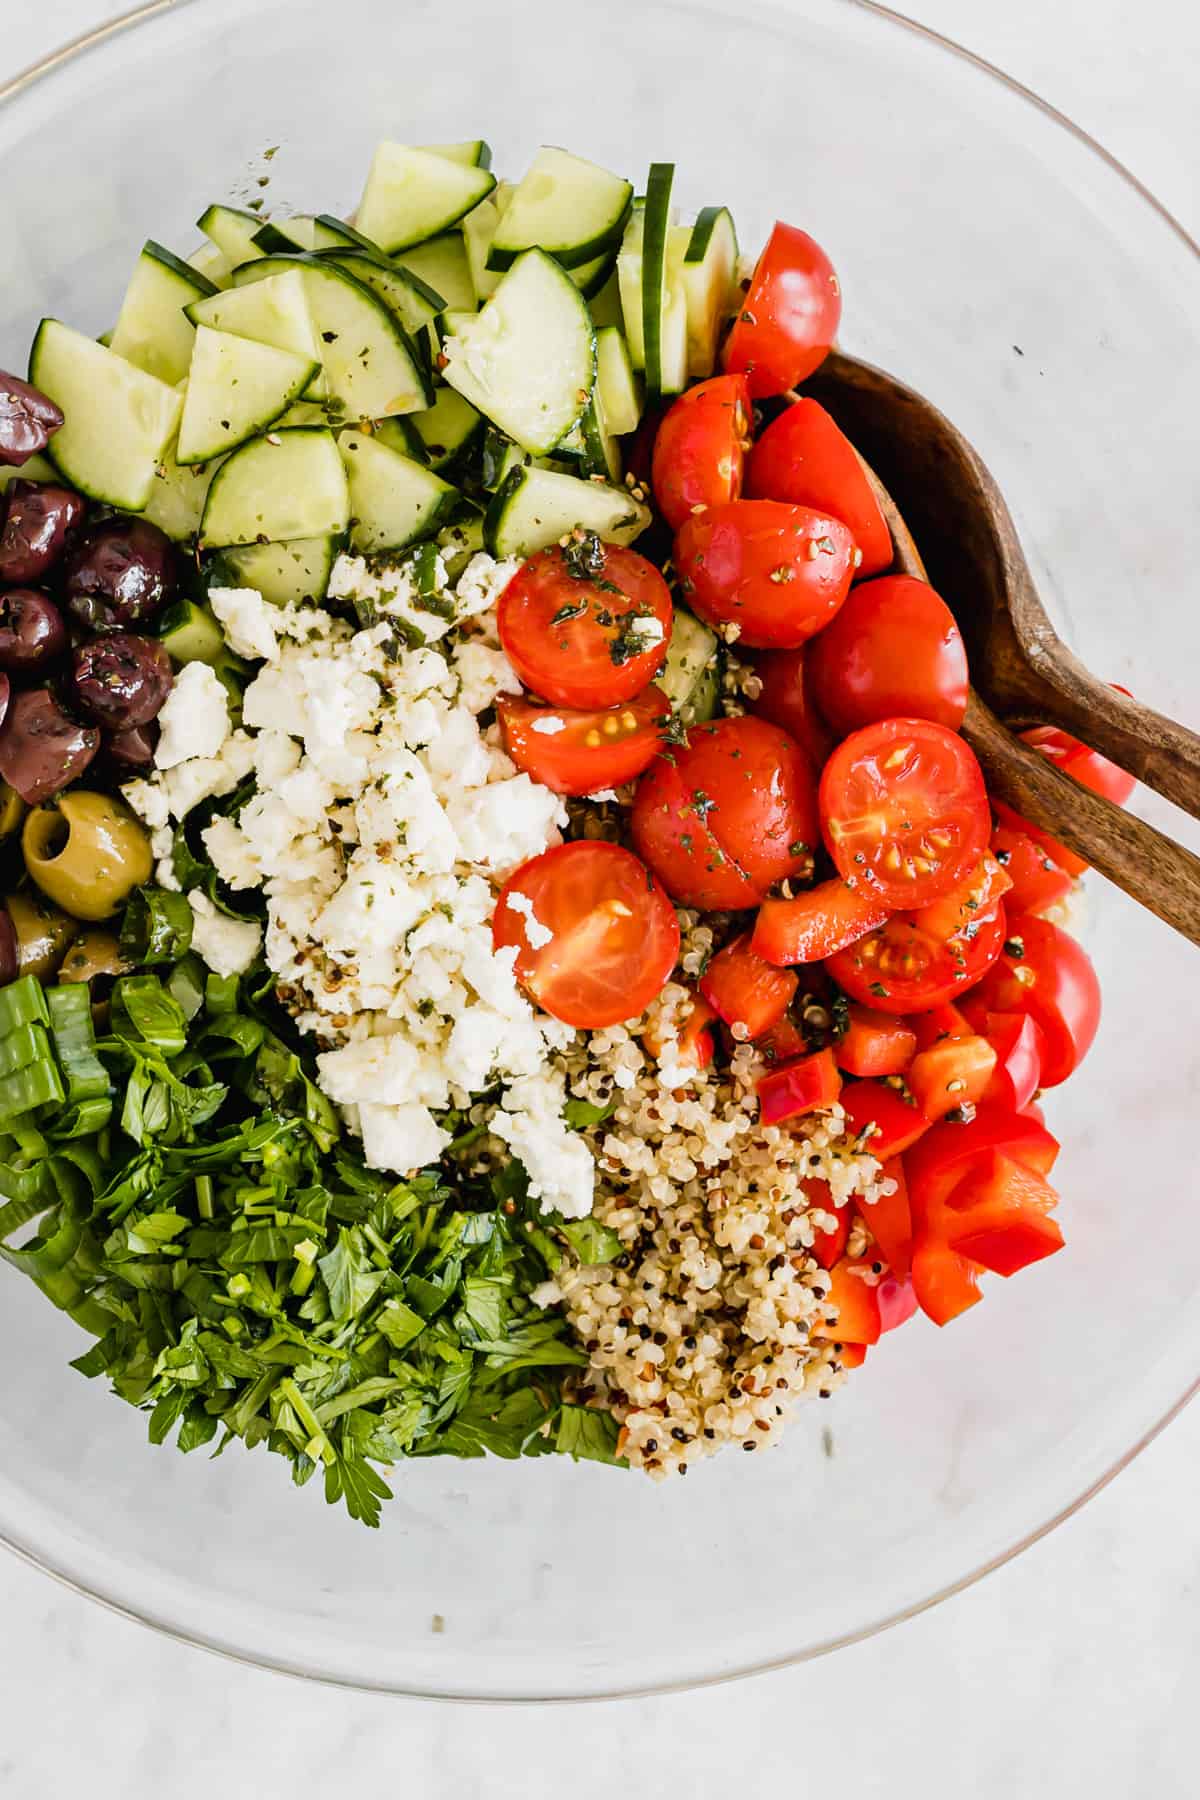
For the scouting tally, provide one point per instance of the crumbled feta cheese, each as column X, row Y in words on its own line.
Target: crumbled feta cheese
column 149, row 801
column 537, row 935
column 194, row 720
column 248, row 621
column 391, row 592
column 481, row 584
column 506, row 822
column 649, row 629
column 228, row 946
column 549, row 725
column 556, row 1159
column 400, row 1137
column 483, row 673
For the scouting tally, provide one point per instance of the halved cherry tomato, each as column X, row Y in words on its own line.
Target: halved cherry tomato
column 881, row 1118
column 875, row 1043
column 904, row 810
column 828, row 1246
column 595, row 935
column 938, row 1023
column 789, row 317
column 900, row 969
column 804, row 458
column 693, row 1046
column 974, row 897
column 701, row 447
column 1019, row 1045
column 857, row 1316
column 1045, row 973
column 1037, row 880
column 808, row 1085
column 777, row 573
column 786, row 702
column 781, row 1042
column 952, row 1074
column 897, row 1302
column 1001, row 1212
column 744, row 990
column 587, row 625
column 1086, row 766
column 816, row 924
column 721, row 819
column 893, row 651
column 889, row 1220
column 578, row 752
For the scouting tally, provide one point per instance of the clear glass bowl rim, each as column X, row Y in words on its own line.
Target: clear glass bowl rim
column 78, row 47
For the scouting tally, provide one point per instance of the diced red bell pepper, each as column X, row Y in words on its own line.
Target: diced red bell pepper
column 970, row 901
column 937, row 1164
column 897, row 1302
column 808, row 1085
column 944, row 1283
column 781, row 1042
column 828, row 1246
column 745, row 990
column 828, row 918
column 693, row 1048
column 852, row 1356
column 945, row 1021
column 1018, row 1042
column 857, row 1306
column 953, row 1073
column 1037, row 880
column 875, row 1043
column 886, row 1122
column 889, row 1220
column 1002, row 1217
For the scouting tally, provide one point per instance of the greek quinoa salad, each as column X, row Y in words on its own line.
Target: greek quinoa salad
column 504, row 947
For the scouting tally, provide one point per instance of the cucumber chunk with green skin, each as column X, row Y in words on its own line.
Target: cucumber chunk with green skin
column 274, row 310
column 236, row 388
column 459, row 542
column 447, row 429
column 534, row 508
column 191, row 634
column 591, row 277
column 37, row 468
column 401, row 434
column 442, row 265
column 691, row 674
column 335, row 234
column 286, row 574
column 118, row 419
column 233, row 231
column 527, row 361
column 176, row 503
column 629, row 286
column 393, row 500
column 152, row 330
column 617, row 387
column 475, row 153
column 478, row 229
column 708, row 273
column 297, row 233
column 605, row 306
column 212, row 264
column 412, row 195
column 290, row 484
column 412, row 300
column 664, row 307
column 569, row 207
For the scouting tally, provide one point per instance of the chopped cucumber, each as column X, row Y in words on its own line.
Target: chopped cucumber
column 305, row 412
column 459, row 542
column 393, row 500
column 617, row 388
column 691, row 675
column 152, row 331
column 290, row 485
column 412, row 195
column 708, row 272
column 447, row 429
column 591, row 278
column 442, row 265
column 177, row 496
column 285, row 235
column 601, row 452
column 412, row 300
column 212, row 263
column 527, row 362
column 570, row 208
column 335, row 234
column 235, row 389
column 401, row 434
column 274, row 311
column 605, row 307
column 36, row 468
column 475, row 153
column 664, row 307
column 286, row 574
column 191, row 634
column 233, row 231
column 500, row 455
column 119, row 420
column 629, row 286
column 478, row 229
column 536, row 507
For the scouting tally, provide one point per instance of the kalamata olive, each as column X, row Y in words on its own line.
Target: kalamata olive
column 5, row 696
column 121, row 679
column 31, row 630
column 130, row 751
column 28, row 420
column 119, row 573
column 10, row 957
column 39, row 521
column 42, row 748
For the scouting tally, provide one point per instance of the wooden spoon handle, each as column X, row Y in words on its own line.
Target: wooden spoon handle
column 1164, row 755
column 1152, row 868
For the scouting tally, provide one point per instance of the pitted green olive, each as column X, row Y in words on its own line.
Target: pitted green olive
column 93, row 954
column 43, row 933
column 87, row 852
column 12, row 810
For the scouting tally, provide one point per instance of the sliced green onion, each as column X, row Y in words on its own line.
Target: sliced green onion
column 75, row 1042
column 20, row 1003
column 24, row 1045
column 38, row 1084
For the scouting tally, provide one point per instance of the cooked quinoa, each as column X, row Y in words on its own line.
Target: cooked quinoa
column 712, row 1322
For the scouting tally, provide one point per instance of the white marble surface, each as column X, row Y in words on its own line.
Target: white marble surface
column 1067, row 1674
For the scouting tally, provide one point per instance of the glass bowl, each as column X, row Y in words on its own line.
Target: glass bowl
column 991, row 256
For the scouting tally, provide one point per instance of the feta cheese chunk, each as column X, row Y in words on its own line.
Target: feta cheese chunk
column 228, row 946
column 556, row 1159
column 194, row 720
column 248, row 621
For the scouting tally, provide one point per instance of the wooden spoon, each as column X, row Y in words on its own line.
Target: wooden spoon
column 939, row 492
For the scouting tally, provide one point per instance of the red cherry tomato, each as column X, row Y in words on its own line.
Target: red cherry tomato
column 746, row 991
column 811, row 1084
column 776, row 572
column 900, row 969
column 595, row 935
column 1037, row 881
column 875, row 1043
column 857, row 1302
column 1045, row 973
column 883, row 1120
column 785, row 699
column 939, row 1023
column 721, row 819
column 803, row 457
column 579, row 624
column 701, row 447
column 789, row 317
column 893, row 651
column 815, row 925
column 904, row 810
column 579, row 752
